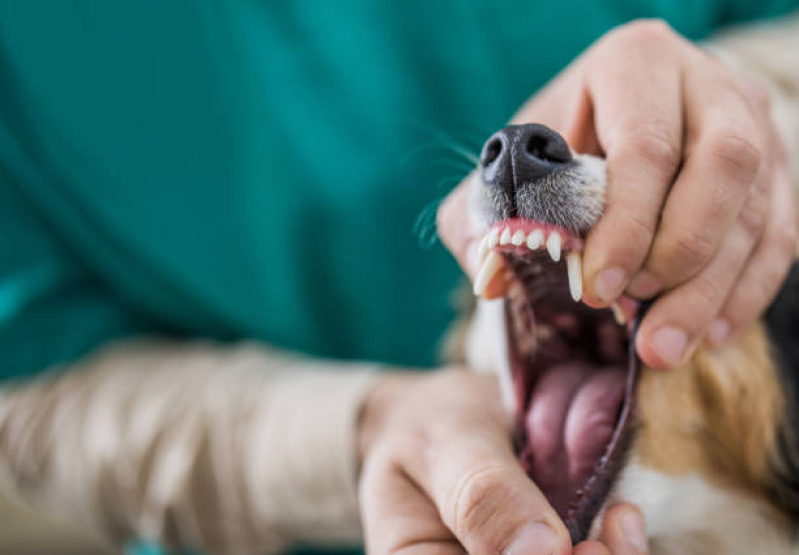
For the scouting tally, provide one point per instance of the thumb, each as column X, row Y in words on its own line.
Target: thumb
column 484, row 497
column 624, row 532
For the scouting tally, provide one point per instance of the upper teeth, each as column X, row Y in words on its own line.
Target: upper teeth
column 535, row 240
column 493, row 238
column 492, row 262
column 554, row 243
column 491, row 265
column 618, row 313
column 574, row 271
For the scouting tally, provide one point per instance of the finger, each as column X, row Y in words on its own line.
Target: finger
column 456, row 232
column 590, row 548
column 723, row 155
column 767, row 267
column 624, row 531
column 638, row 116
column 678, row 320
column 397, row 517
column 485, row 498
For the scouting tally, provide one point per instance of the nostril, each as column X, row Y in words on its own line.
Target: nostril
column 536, row 146
column 545, row 146
column 491, row 151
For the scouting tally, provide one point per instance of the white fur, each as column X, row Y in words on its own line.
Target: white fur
column 681, row 513
column 487, row 348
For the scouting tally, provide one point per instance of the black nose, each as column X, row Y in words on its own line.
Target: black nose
column 522, row 153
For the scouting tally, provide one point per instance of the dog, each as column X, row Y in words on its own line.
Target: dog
column 708, row 451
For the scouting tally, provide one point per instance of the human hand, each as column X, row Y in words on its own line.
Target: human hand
column 438, row 475
column 699, row 203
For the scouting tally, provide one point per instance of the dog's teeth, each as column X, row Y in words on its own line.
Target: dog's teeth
column 535, row 240
column 518, row 238
column 493, row 238
column 484, row 248
column 554, row 243
column 504, row 239
column 574, row 269
column 618, row 313
column 491, row 265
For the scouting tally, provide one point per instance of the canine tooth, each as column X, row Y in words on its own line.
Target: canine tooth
column 618, row 313
column 535, row 240
column 493, row 238
column 504, row 239
column 518, row 238
column 491, row 265
column 554, row 242
column 483, row 249
column 574, row 269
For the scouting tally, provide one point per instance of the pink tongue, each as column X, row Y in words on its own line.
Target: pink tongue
column 572, row 415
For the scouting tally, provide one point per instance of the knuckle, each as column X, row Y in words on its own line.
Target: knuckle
column 654, row 143
column 736, row 156
column 474, row 506
column 784, row 242
column 630, row 239
column 689, row 251
column 755, row 94
column 753, row 216
column 759, row 95
column 643, row 31
column 707, row 294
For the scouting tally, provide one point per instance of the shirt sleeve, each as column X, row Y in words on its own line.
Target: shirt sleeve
column 223, row 449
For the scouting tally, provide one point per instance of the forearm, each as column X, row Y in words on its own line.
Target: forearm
column 227, row 449
column 767, row 52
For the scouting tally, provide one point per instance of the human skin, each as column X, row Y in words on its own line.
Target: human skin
column 699, row 206
column 439, row 476
column 699, row 211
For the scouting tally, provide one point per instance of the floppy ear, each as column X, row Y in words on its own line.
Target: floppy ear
column 782, row 324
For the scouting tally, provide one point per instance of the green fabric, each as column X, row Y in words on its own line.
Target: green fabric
column 238, row 169
column 251, row 169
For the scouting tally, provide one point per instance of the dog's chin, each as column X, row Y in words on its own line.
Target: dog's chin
column 573, row 376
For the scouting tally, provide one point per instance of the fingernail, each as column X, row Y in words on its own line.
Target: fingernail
column 644, row 285
column 632, row 525
column 719, row 330
column 534, row 538
column 669, row 344
column 608, row 284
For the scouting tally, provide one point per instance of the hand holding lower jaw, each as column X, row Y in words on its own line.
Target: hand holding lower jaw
column 438, row 474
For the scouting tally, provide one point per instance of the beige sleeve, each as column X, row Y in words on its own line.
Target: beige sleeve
column 769, row 53
column 227, row 449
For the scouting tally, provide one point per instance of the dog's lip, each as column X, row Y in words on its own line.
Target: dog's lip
column 597, row 488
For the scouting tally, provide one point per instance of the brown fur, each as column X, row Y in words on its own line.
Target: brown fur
column 717, row 416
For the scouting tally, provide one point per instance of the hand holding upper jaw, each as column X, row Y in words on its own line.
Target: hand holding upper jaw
column 700, row 208
column 439, row 475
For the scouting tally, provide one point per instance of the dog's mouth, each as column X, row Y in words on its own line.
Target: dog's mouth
column 573, row 370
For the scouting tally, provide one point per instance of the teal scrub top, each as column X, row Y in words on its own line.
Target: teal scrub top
column 254, row 169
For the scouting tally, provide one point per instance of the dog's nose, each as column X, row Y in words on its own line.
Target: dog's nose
column 522, row 153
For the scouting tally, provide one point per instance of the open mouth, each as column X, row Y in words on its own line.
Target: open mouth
column 573, row 369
